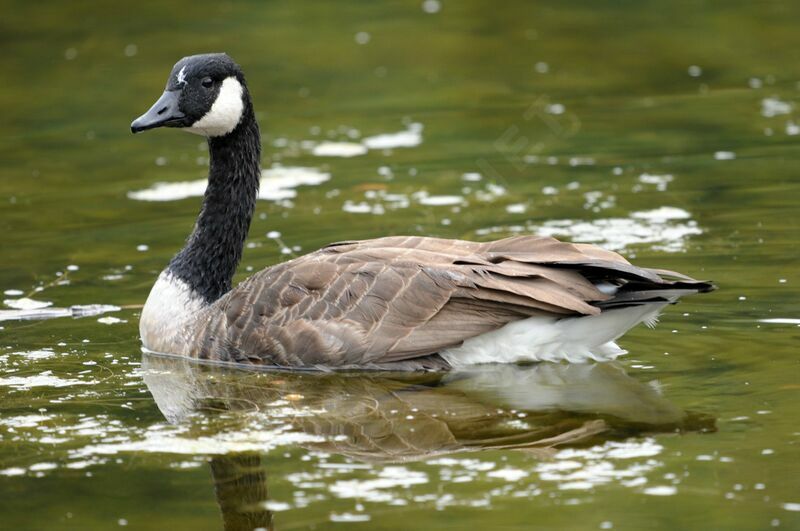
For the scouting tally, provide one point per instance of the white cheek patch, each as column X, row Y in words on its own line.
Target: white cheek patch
column 225, row 113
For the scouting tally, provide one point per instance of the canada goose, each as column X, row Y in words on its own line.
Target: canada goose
column 400, row 302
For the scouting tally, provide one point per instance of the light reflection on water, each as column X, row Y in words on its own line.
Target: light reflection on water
column 277, row 183
column 582, row 423
column 410, row 417
column 581, row 427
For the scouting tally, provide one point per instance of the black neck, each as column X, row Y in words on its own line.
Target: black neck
column 208, row 261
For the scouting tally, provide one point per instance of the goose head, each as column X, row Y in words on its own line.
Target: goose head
column 205, row 94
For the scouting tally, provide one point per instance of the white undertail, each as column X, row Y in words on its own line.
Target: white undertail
column 572, row 339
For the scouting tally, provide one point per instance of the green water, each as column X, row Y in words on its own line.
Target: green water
column 667, row 131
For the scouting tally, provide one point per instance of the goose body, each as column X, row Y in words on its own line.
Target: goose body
column 389, row 303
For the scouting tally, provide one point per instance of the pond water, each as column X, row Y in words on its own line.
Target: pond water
column 670, row 133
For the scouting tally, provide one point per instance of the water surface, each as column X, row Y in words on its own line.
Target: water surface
column 666, row 132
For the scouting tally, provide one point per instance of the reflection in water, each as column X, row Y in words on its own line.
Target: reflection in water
column 240, row 484
column 401, row 417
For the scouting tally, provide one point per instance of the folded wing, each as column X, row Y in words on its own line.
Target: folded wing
column 397, row 299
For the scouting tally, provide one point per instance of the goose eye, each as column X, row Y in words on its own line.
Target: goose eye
column 207, row 82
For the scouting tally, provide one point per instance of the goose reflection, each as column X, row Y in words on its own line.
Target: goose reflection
column 411, row 416
column 400, row 417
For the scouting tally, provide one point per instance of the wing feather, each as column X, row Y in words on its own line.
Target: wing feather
column 402, row 298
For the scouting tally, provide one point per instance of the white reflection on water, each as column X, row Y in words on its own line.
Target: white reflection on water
column 379, row 438
column 774, row 106
column 423, row 198
column 664, row 229
column 378, row 202
column 410, row 137
column 780, row 320
column 627, row 462
column 376, row 489
column 660, row 181
column 24, row 303
column 277, row 183
column 43, row 379
column 48, row 312
column 168, row 439
column 339, row 149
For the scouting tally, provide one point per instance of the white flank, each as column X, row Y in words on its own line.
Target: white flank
column 225, row 113
column 170, row 306
column 575, row 339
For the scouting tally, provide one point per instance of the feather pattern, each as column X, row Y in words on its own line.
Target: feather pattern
column 378, row 302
